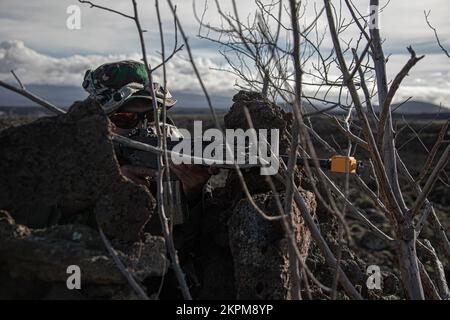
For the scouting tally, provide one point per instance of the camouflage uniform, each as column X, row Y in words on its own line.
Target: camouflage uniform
column 112, row 85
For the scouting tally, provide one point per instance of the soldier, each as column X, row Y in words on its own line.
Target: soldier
column 119, row 88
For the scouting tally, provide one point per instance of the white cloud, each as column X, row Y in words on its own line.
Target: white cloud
column 428, row 81
column 37, row 68
column 42, row 24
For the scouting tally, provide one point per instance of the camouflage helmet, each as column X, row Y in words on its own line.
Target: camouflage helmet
column 113, row 84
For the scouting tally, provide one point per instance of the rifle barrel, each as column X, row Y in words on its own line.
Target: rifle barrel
column 323, row 163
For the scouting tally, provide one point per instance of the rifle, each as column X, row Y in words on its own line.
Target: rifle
column 135, row 157
column 175, row 206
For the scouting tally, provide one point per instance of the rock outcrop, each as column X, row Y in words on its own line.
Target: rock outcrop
column 264, row 115
column 43, row 256
column 58, row 166
column 260, row 248
column 60, row 182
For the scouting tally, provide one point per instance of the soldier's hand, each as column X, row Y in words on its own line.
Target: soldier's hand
column 139, row 175
column 193, row 177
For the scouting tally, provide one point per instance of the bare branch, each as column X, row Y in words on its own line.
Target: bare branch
column 393, row 90
column 18, row 80
column 427, row 15
column 350, row 135
column 106, row 9
column 427, row 166
column 32, row 97
column 431, row 180
column 428, row 284
column 388, row 182
column 131, row 281
column 331, row 260
column 439, row 271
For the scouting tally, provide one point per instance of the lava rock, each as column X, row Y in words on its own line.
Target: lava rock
column 260, row 249
column 58, row 166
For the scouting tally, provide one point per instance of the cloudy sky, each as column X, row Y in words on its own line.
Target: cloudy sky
column 36, row 43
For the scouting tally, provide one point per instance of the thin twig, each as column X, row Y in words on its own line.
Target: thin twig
column 130, row 279
column 393, row 89
column 427, row 15
column 160, row 190
column 431, row 181
column 18, row 80
column 33, row 97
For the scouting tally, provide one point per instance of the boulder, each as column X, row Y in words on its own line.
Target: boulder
column 43, row 256
column 265, row 115
column 58, row 166
column 260, row 248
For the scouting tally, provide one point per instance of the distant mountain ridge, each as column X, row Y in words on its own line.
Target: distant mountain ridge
column 408, row 108
column 419, row 107
column 64, row 96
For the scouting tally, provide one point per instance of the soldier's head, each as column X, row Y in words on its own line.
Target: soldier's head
column 121, row 88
